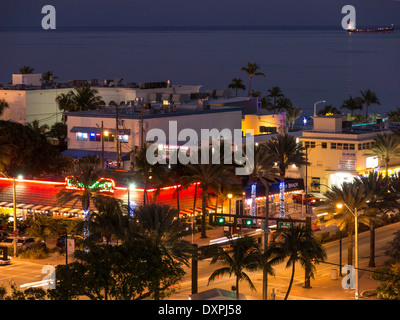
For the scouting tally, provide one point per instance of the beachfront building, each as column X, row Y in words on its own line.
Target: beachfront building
column 29, row 99
column 337, row 151
column 94, row 132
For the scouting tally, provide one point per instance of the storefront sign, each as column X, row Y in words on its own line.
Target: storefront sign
column 347, row 164
column 351, row 155
column 102, row 185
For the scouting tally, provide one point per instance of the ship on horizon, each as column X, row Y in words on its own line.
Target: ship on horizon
column 371, row 30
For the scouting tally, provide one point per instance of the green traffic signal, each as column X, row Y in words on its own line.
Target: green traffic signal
column 220, row 220
column 248, row 222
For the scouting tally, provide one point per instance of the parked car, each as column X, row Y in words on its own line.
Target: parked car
column 23, row 242
column 3, row 235
column 4, row 262
column 311, row 199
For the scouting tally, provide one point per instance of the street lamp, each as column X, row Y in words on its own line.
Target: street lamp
column 131, row 187
column 315, row 106
column 230, row 202
column 355, row 214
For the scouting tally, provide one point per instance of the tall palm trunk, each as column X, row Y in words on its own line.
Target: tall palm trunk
column 251, row 78
column 291, row 282
column 194, row 199
column 237, row 288
column 371, row 244
column 350, row 245
column 203, row 212
column 266, row 234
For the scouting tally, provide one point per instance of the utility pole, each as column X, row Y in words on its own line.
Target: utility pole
column 141, row 142
column 195, row 260
column 15, row 218
column 266, row 238
column 117, row 136
column 102, row 146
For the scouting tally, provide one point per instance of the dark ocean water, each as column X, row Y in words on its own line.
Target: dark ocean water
column 309, row 64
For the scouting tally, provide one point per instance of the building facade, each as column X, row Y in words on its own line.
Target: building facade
column 337, row 151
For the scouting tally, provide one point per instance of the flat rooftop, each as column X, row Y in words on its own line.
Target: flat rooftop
column 153, row 111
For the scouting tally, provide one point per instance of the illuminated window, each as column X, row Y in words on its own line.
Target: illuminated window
column 82, row 136
column 108, row 137
column 94, row 136
column 124, row 138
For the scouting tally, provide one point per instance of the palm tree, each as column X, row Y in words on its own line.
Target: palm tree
column 394, row 115
column 380, row 202
column 175, row 174
column 209, row 176
column 64, row 102
column 285, row 151
column 266, row 104
column 275, row 93
column 386, row 147
column 328, row 110
column 283, row 104
column 84, row 177
column 265, row 172
column 3, row 105
column 40, row 130
column 352, row 104
column 251, row 70
column 26, row 70
column 148, row 174
column 237, row 84
column 245, row 256
column 368, row 98
column 356, row 118
column 48, row 77
column 162, row 230
column 7, row 150
column 353, row 196
column 82, row 99
column 255, row 94
column 292, row 114
column 299, row 246
column 108, row 221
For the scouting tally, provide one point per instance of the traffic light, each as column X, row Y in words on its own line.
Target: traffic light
column 220, row 220
column 248, row 222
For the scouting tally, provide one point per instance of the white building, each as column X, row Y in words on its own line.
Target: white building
column 86, row 129
column 29, row 100
column 337, row 150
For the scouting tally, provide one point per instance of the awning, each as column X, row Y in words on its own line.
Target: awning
column 28, row 206
column 37, row 207
column 46, row 208
column 98, row 130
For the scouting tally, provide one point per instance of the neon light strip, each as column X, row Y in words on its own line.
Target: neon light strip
column 34, row 181
column 117, row 188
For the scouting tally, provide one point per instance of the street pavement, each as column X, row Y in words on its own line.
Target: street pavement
column 323, row 287
column 326, row 285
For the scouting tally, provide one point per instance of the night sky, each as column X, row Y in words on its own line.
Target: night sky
column 27, row 13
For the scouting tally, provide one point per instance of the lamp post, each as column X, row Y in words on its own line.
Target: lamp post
column 230, row 209
column 340, row 231
column 15, row 218
column 131, row 187
column 355, row 214
column 315, row 106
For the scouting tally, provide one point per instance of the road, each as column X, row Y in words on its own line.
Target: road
column 280, row 281
column 23, row 271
